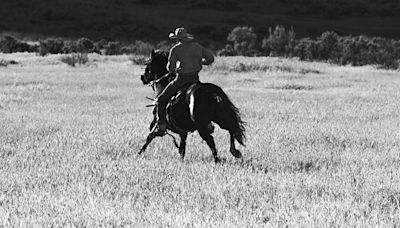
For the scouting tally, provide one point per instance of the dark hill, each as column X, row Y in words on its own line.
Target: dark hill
column 208, row 20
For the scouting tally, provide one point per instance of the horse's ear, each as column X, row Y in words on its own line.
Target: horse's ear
column 153, row 53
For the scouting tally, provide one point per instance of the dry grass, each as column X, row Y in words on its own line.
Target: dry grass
column 323, row 148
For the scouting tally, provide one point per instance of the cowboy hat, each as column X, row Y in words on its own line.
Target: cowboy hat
column 181, row 34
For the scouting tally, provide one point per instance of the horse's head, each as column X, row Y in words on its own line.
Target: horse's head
column 156, row 67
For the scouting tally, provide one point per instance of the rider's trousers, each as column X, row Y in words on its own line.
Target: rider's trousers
column 171, row 89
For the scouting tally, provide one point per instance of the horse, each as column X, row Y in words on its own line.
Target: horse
column 194, row 107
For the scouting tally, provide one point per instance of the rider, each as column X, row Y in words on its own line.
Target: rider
column 186, row 59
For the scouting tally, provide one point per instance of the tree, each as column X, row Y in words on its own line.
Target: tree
column 244, row 40
column 280, row 42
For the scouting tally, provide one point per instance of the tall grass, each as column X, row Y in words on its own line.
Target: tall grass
column 323, row 156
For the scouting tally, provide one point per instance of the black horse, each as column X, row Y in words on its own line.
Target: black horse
column 194, row 107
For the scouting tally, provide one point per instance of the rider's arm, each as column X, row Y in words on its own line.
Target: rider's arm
column 208, row 57
column 172, row 59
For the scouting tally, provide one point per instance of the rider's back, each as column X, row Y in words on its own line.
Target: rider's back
column 190, row 56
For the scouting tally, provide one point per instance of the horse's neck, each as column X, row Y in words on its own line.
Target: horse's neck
column 159, row 89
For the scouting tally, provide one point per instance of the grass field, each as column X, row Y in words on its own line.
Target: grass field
column 323, row 148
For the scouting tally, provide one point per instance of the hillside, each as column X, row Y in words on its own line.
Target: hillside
column 209, row 20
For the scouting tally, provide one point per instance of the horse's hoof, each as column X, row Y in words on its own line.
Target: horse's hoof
column 236, row 153
column 182, row 156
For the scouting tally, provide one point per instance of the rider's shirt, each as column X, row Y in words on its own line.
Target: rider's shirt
column 188, row 58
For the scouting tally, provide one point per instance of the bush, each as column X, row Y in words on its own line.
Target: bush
column 356, row 51
column 243, row 39
column 76, row 58
column 51, row 46
column 138, row 59
column 303, row 49
column 329, row 46
column 81, row 45
column 69, row 47
column 280, row 42
column 143, row 48
column 84, row 45
column 7, row 45
column 227, row 51
column 5, row 63
column 138, row 48
column 111, row 48
column 164, row 46
column 10, row 45
column 99, row 45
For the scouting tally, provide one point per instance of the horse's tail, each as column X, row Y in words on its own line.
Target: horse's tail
column 230, row 114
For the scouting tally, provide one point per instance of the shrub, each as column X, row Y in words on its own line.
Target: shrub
column 301, row 49
column 81, row 45
column 84, row 45
column 51, row 46
column 355, row 51
column 243, row 39
column 385, row 52
column 5, row 63
column 280, row 42
column 69, row 47
column 307, row 49
column 111, row 48
column 10, row 45
column 76, row 58
column 227, row 51
column 329, row 46
column 164, row 46
column 99, row 45
column 138, row 59
column 138, row 48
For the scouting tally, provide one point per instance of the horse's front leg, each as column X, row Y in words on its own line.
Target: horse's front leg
column 149, row 138
column 182, row 145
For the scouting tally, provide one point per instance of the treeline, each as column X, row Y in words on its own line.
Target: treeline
column 82, row 45
column 329, row 46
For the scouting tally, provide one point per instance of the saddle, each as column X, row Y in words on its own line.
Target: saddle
column 184, row 92
column 176, row 102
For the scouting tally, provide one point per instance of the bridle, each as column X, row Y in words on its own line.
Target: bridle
column 152, row 83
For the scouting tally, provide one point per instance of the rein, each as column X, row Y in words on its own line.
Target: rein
column 152, row 84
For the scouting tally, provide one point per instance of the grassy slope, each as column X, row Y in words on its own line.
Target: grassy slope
column 323, row 148
column 128, row 21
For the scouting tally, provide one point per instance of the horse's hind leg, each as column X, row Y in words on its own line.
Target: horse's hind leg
column 205, row 135
column 182, row 145
column 236, row 153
